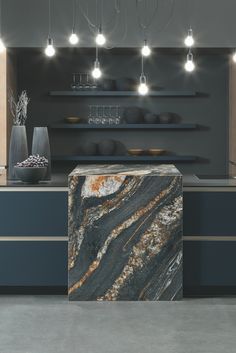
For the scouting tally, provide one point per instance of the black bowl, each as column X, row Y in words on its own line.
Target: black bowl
column 30, row 175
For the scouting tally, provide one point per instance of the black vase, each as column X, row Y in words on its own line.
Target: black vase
column 41, row 146
column 18, row 150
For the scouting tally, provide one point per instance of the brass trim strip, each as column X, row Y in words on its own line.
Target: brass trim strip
column 33, row 189
column 209, row 238
column 33, row 238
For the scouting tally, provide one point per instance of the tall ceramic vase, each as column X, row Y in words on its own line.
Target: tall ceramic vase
column 18, row 150
column 41, row 146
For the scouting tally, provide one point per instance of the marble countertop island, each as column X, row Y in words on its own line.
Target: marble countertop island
column 125, row 232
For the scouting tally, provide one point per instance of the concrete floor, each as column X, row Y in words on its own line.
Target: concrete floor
column 51, row 324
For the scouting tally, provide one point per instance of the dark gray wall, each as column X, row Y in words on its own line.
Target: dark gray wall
column 38, row 75
column 213, row 21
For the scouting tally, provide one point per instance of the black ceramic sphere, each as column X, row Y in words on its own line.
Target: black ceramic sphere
column 133, row 115
column 89, row 149
column 120, row 149
column 106, row 147
column 125, row 84
column 108, row 84
column 166, row 118
column 151, row 118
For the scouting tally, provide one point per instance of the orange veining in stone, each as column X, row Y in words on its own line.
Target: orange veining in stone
column 99, row 181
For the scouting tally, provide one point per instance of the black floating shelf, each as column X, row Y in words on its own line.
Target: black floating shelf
column 126, row 126
column 122, row 94
column 96, row 159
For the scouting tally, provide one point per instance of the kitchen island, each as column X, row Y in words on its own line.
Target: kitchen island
column 125, row 232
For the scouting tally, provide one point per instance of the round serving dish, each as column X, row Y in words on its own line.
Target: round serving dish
column 135, row 151
column 156, row 151
column 72, row 120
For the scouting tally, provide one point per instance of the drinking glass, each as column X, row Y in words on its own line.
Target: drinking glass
column 90, row 119
column 74, row 84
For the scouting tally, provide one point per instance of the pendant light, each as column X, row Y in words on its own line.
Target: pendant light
column 100, row 38
column 49, row 50
column 74, row 39
column 146, row 51
column 189, row 40
column 189, row 65
column 2, row 45
column 96, row 73
column 143, row 87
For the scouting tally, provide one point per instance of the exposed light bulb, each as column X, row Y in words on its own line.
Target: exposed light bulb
column 234, row 57
column 100, row 38
column 2, row 46
column 143, row 87
column 73, row 39
column 146, row 51
column 189, row 65
column 96, row 73
column 189, row 40
column 50, row 50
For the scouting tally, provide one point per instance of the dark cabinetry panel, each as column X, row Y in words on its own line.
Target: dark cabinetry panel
column 210, row 213
column 37, row 263
column 33, row 213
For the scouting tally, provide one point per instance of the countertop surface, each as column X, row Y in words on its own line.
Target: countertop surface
column 57, row 180
column 126, row 169
column 61, row 181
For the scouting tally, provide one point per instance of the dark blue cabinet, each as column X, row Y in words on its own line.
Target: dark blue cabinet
column 33, row 213
column 210, row 254
column 35, row 263
column 37, row 255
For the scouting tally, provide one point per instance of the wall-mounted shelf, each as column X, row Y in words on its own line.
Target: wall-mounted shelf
column 122, row 93
column 184, row 126
column 95, row 159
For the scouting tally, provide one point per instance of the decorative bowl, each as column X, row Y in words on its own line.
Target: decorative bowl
column 135, row 151
column 30, row 175
column 156, row 151
column 72, row 120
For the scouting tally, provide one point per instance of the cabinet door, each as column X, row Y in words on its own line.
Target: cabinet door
column 210, row 213
column 33, row 213
column 209, row 265
column 36, row 263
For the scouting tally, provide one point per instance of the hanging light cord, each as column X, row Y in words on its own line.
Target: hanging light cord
column 74, row 15
column 0, row 18
column 142, row 66
column 144, row 26
column 49, row 19
column 93, row 26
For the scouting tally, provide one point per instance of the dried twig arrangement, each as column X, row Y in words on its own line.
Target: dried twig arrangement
column 18, row 109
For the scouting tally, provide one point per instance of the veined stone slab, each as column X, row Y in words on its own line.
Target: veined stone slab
column 125, row 232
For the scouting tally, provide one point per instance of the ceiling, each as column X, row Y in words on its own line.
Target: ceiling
column 25, row 22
